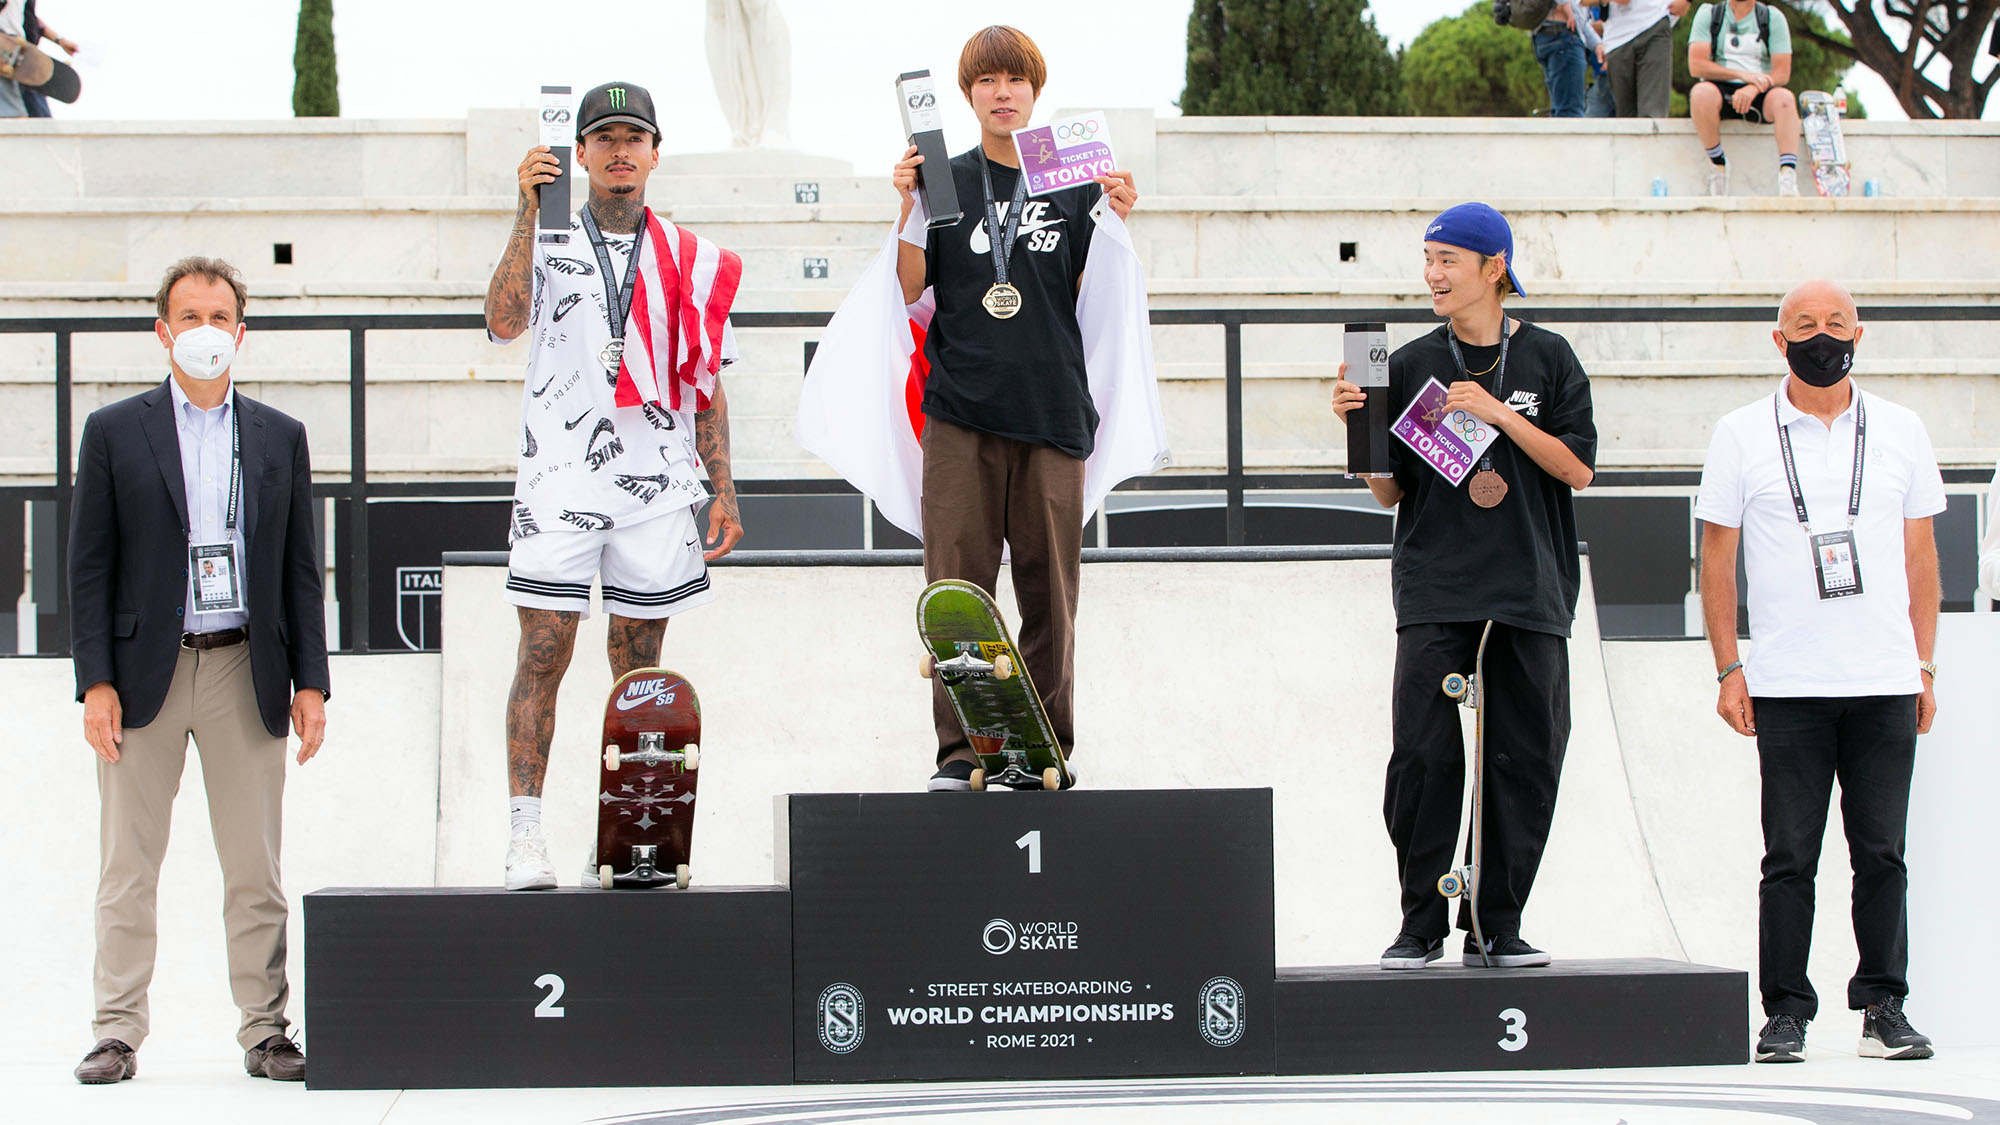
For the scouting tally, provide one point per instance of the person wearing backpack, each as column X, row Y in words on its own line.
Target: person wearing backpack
column 1740, row 55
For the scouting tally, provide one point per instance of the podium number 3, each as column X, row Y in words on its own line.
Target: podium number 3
column 1032, row 842
column 548, row 1008
column 1517, row 1029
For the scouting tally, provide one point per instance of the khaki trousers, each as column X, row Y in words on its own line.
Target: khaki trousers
column 243, row 767
column 981, row 492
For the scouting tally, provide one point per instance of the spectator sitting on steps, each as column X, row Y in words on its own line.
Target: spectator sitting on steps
column 1740, row 54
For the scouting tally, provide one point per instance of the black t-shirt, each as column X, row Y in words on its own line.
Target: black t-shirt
column 1516, row 563
column 1020, row 378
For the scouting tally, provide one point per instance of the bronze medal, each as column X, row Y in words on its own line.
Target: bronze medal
column 1002, row 301
column 1486, row 488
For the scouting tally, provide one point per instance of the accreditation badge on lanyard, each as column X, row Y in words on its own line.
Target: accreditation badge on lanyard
column 216, row 568
column 1836, row 560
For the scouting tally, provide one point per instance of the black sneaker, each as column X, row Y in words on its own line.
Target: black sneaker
column 954, row 776
column 1504, row 951
column 1783, row 1040
column 1411, row 952
column 1886, row 1033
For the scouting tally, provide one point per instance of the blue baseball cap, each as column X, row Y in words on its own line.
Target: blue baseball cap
column 1480, row 229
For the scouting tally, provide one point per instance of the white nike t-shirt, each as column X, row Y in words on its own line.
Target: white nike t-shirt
column 586, row 463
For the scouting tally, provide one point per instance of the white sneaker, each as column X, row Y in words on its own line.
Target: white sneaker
column 1788, row 182
column 589, row 878
column 1718, row 179
column 528, row 866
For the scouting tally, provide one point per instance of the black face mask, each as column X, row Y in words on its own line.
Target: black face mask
column 1820, row 361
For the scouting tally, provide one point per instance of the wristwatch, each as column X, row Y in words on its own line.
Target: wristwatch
column 1928, row 667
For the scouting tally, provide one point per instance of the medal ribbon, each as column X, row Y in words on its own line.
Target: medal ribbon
column 1002, row 241
column 1499, row 380
column 1792, row 470
column 618, row 301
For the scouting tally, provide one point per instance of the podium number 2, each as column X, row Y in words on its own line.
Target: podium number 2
column 1032, row 842
column 548, row 1008
column 1517, row 1029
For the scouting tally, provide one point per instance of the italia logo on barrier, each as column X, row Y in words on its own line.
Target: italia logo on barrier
column 1221, row 1007
column 842, row 1018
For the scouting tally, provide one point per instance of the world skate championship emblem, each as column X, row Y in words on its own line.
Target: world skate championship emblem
column 842, row 1019
column 1221, row 1008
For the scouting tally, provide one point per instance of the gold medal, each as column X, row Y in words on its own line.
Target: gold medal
column 1002, row 301
column 1486, row 488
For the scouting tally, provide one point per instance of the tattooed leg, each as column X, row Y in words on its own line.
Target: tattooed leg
column 634, row 642
column 547, row 638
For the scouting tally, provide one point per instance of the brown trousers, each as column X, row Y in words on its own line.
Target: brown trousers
column 981, row 492
column 243, row 767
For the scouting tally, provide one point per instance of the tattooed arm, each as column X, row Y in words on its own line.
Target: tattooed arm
column 508, row 293
column 711, row 442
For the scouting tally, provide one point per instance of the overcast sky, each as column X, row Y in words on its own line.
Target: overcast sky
column 436, row 58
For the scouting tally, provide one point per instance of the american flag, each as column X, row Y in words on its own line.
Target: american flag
column 673, row 334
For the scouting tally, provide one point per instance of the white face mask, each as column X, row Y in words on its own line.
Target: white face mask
column 204, row 352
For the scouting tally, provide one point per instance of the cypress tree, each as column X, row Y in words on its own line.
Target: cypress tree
column 1289, row 58
column 315, row 75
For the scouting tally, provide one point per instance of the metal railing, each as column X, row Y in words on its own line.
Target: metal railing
column 351, row 565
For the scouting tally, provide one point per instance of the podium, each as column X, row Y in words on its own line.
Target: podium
column 1031, row 935
column 424, row 987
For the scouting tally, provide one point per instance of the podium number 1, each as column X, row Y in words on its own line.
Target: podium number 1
column 548, row 1008
column 1032, row 842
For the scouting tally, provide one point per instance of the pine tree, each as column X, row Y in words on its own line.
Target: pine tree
column 1288, row 58
column 315, row 75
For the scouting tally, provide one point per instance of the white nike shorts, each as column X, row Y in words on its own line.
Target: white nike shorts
column 650, row 569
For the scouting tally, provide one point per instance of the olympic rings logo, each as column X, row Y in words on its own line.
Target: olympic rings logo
column 1081, row 131
column 1467, row 427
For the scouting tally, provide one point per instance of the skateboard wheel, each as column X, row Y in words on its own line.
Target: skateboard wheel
column 1052, row 779
column 1455, row 685
column 681, row 876
column 1003, row 667
column 611, row 756
column 692, row 759
column 604, row 877
column 1449, row 885
column 927, row 665
column 978, row 778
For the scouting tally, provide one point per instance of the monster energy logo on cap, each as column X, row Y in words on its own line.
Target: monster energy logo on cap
column 616, row 103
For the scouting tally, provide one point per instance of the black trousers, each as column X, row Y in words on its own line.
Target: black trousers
column 1803, row 744
column 1527, row 731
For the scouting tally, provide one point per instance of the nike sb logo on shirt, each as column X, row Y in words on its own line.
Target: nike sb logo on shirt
column 1038, row 232
column 1526, row 403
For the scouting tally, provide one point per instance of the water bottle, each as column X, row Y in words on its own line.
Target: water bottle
column 1872, row 188
column 1659, row 187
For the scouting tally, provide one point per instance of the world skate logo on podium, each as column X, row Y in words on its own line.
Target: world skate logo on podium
column 1002, row 936
column 842, row 1018
column 1221, row 1007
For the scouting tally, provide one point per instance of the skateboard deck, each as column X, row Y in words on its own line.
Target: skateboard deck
column 646, row 780
column 1470, row 691
column 970, row 652
column 33, row 68
column 1820, row 115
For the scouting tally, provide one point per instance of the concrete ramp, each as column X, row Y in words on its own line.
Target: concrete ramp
column 1209, row 668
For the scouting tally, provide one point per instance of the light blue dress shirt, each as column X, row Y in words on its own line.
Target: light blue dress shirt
column 207, row 451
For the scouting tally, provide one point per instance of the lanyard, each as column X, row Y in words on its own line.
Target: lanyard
column 235, row 472
column 1002, row 241
column 1792, row 471
column 1499, row 379
column 617, row 301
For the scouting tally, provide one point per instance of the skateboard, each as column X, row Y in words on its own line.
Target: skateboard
column 1820, row 114
column 971, row 653
column 1470, row 691
column 32, row 67
column 645, row 802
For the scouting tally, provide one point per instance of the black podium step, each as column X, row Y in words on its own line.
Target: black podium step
column 1574, row 1014
column 479, row 987
column 1031, row 935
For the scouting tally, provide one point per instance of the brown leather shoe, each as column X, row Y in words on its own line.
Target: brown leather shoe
column 110, row 1061
column 276, row 1057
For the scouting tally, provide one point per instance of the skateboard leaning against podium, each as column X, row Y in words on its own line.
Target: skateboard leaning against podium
column 1470, row 691
column 646, row 782
column 971, row 653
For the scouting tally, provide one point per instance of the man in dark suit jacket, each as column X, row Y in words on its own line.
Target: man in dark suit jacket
column 195, row 610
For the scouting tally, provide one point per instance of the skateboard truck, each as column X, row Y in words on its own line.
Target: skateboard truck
column 1000, row 667
column 643, row 856
column 652, row 751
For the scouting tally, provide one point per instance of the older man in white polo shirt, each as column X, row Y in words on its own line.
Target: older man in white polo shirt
column 1830, row 492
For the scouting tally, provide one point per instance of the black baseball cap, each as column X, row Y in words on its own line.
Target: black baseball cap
column 616, row 103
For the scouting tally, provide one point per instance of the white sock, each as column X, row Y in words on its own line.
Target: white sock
column 527, row 814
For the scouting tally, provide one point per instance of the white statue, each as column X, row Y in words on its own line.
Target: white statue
column 750, row 58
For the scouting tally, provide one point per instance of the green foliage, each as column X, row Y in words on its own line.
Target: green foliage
column 1469, row 66
column 315, row 74
column 1287, row 58
column 1814, row 67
